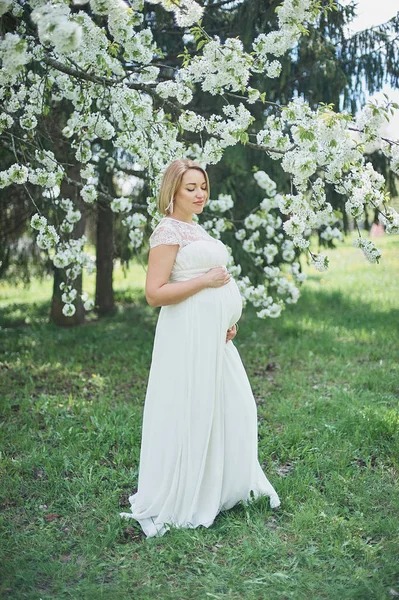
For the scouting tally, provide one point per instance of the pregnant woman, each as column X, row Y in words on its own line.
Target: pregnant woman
column 199, row 448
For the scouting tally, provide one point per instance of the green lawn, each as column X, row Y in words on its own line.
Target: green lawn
column 326, row 381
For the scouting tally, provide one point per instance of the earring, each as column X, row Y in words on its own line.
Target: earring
column 169, row 208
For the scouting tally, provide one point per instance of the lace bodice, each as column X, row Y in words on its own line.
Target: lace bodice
column 172, row 231
column 192, row 259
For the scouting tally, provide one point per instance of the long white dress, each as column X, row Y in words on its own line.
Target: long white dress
column 199, row 448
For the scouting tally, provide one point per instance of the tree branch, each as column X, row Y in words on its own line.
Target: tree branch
column 266, row 149
column 79, row 74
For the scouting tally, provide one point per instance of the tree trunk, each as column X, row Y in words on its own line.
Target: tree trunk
column 104, row 259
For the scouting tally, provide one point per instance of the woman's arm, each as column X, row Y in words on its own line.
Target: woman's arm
column 159, row 292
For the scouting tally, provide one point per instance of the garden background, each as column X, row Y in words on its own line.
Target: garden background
column 325, row 377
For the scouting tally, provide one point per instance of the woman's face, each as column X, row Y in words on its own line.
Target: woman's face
column 192, row 194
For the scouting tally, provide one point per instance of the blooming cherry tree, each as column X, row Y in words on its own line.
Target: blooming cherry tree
column 97, row 59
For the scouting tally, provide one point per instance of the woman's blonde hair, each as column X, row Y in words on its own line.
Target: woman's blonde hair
column 171, row 182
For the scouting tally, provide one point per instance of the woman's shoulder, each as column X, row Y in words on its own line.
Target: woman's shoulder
column 165, row 232
column 164, row 223
column 168, row 221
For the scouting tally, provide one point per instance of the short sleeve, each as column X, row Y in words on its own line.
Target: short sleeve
column 164, row 234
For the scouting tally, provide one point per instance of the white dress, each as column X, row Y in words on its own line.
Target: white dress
column 199, row 448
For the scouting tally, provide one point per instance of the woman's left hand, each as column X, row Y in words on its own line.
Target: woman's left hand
column 231, row 333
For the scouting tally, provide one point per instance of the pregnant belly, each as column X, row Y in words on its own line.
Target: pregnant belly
column 234, row 301
column 226, row 300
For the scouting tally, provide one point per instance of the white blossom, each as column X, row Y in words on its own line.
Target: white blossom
column 13, row 53
column 88, row 304
column 135, row 220
column 136, row 237
column 56, row 26
column 5, row 6
column 188, row 12
column 121, row 204
column 240, row 234
column 69, row 295
column 6, row 121
column 213, row 69
column 224, row 202
column 87, row 172
column 273, row 69
column 190, row 121
column 69, row 310
column 294, row 226
column 38, row 222
column 273, row 311
column 320, row 262
column 270, row 251
column 371, row 252
column 253, row 221
column 89, row 194
column 263, row 180
column 18, row 173
column 390, row 219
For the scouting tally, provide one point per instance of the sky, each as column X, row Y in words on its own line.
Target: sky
column 369, row 14
column 373, row 12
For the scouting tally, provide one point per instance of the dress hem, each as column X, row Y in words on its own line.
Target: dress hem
column 153, row 529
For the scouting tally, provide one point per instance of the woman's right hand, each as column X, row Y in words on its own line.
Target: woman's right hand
column 216, row 277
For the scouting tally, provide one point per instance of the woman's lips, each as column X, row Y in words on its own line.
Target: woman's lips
column 199, row 202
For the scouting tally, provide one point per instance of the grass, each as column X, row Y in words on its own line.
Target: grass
column 326, row 381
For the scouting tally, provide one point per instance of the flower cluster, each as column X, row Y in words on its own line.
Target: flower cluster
column 175, row 89
column 292, row 15
column 121, row 204
column 14, row 174
column 48, row 236
column 89, row 193
column 136, row 223
column 391, row 150
column 271, row 253
column 263, row 180
column 371, row 252
column 320, row 262
column 223, row 203
column 114, row 94
column 372, row 118
column 390, row 219
column 57, row 27
column 187, row 12
column 363, row 186
column 13, row 55
column 214, row 68
column 191, row 121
